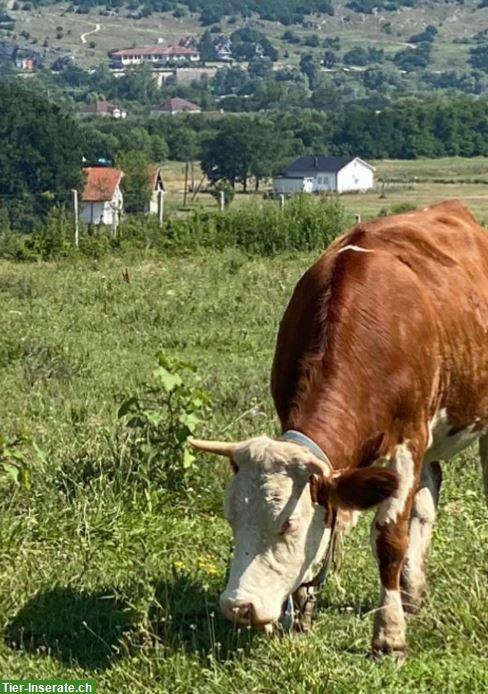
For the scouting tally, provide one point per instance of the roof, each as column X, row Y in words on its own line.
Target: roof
column 100, row 183
column 100, row 107
column 154, row 175
column 177, row 104
column 155, row 50
column 313, row 164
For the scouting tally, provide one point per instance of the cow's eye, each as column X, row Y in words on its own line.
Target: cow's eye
column 289, row 526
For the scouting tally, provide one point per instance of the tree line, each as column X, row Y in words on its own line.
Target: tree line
column 41, row 159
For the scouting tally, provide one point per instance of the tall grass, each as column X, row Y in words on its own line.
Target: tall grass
column 303, row 224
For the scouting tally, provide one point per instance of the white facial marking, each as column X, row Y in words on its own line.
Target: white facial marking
column 279, row 533
column 355, row 248
column 401, row 463
column 444, row 445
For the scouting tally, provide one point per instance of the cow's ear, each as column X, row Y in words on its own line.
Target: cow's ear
column 362, row 488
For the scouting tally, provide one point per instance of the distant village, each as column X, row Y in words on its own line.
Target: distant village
column 162, row 58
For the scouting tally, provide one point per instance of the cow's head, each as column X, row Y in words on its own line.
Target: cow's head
column 280, row 504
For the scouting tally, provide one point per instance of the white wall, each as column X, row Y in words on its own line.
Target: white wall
column 107, row 213
column 355, row 176
column 288, row 185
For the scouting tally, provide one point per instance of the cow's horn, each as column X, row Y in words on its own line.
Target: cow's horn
column 218, row 447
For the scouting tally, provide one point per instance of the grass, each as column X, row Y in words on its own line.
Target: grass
column 103, row 577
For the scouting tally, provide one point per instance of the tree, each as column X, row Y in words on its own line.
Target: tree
column 310, row 66
column 135, row 183
column 206, row 47
column 41, row 153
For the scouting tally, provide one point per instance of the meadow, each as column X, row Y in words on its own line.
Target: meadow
column 109, row 568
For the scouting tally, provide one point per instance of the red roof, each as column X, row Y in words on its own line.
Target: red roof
column 156, row 50
column 176, row 104
column 100, row 107
column 100, row 183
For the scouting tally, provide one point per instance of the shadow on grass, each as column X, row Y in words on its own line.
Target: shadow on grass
column 94, row 630
column 79, row 629
column 185, row 616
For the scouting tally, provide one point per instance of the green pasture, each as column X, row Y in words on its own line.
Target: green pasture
column 106, row 572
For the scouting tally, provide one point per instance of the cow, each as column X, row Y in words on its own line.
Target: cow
column 380, row 372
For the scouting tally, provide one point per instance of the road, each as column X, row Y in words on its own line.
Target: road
column 88, row 33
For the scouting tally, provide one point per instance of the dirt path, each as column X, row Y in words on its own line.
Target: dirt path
column 88, row 33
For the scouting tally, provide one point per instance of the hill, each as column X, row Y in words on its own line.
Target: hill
column 295, row 27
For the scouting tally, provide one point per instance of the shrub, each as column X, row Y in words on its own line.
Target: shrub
column 160, row 420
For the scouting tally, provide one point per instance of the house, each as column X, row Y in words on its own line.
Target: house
column 102, row 201
column 314, row 174
column 155, row 55
column 174, row 106
column 103, row 109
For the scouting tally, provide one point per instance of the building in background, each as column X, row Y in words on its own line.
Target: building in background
column 102, row 201
column 103, row 109
column 156, row 56
column 174, row 106
column 317, row 174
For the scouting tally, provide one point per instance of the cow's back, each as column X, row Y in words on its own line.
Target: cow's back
column 412, row 288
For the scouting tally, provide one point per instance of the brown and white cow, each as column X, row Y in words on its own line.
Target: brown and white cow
column 381, row 365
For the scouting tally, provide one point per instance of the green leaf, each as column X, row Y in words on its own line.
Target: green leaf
column 154, row 418
column 11, row 471
column 190, row 420
column 168, row 380
column 188, row 459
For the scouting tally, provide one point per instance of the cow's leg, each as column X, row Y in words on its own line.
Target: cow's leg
column 305, row 603
column 484, row 462
column 422, row 519
column 390, row 543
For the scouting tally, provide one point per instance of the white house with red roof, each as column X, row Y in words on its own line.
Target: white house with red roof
column 155, row 55
column 102, row 201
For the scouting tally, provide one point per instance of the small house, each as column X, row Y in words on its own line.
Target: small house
column 103, row 109
column 172, row 107
column 316, row 174
column 157, row 188
column 102, row 201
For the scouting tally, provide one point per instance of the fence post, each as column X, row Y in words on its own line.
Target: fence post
column 358, row 218
column 160, row 208
column 282, row 201
column 75, row 213
column 222, row 200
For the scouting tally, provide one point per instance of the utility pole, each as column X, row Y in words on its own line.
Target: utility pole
column 160, row 208
column 75, row 213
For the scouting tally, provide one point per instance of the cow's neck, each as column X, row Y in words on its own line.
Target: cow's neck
column 334, row 417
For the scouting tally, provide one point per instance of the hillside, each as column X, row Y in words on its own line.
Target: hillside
column 99, row 29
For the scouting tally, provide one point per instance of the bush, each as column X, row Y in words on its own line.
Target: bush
column 303, row 224
column 161, row 418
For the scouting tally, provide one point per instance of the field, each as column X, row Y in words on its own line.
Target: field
column 416, row 182
column 106, row 573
